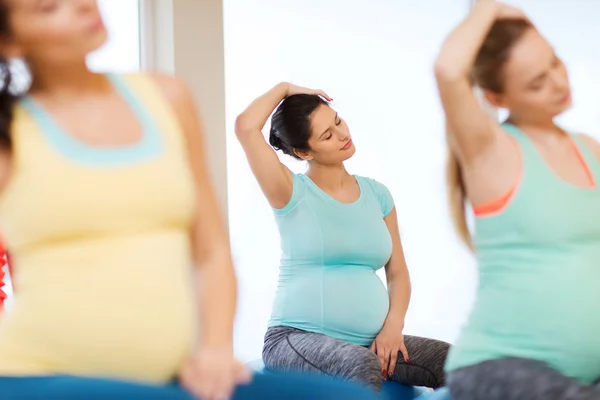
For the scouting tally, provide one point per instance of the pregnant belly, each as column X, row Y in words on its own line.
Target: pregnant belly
column 130, row 333
column 348, row 303
column 532, row 317
column 132, row 318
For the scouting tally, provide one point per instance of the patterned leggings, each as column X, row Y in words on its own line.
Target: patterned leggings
column 288, row 349
column 516, row 379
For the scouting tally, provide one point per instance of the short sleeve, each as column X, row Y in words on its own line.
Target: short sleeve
column 298, row 193
column 386, row 201
column 383, row 196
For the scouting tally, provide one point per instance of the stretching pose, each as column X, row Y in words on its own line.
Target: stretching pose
column 105, row 205
column 533, row 333
column 332, row 314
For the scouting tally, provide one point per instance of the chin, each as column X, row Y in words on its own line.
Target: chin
column 349, row 153
column 97, row 40
column 562, row 109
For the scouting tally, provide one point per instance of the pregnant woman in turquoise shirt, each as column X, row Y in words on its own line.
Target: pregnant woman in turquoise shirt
column 332, row 314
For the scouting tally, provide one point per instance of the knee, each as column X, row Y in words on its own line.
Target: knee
column 366, row 368
column 439, row 362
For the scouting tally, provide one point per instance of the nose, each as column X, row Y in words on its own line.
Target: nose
column 86, row 6
column 341, row 134
column 561, row 80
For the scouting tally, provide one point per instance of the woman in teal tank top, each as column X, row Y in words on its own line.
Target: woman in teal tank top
column 533, row 333
column 332, row 314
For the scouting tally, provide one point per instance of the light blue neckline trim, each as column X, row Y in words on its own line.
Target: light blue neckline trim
column 149, row 146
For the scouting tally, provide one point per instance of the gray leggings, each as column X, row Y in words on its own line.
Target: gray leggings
column 292, row 350
column 516, row 379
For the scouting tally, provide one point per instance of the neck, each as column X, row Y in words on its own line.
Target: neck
column 65, row 81
column 535, row 126
column 328, row 176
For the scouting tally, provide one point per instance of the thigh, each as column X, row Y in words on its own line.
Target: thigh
column 78, row 388
column 289, row 349
column 426, row 363
column 301, row 387
column 516, row 379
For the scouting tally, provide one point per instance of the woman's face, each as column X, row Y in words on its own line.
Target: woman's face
column 330, row 140
column 53, row 32
column 536, row 80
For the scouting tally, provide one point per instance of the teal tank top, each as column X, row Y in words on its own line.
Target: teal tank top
column 330, row 254
column 539, row 261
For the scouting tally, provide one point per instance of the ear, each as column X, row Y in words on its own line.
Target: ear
column 495, row 99
column 305, row 155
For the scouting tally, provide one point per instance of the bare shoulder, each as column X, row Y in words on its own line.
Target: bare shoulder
column 175, row 89
column 180, row 98
column 592, row 144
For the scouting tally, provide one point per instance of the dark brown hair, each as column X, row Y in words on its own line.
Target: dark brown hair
column 7, row 98
column 290, row 123
column 487, row 74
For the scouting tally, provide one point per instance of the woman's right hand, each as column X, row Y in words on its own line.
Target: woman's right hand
column 292, row 89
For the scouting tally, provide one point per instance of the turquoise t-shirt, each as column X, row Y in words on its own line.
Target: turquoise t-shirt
column 330, row 254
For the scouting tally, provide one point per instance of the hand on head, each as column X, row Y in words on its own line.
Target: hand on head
column 294, row 89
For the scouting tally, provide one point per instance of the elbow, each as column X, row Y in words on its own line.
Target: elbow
column 220, row 260
column 446, row 71
column 241, row 126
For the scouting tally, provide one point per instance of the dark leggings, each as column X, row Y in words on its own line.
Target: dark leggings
column 290, row 349
column 266, row 387
column 516, row 379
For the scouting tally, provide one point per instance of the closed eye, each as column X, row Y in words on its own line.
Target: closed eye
column 47, row 6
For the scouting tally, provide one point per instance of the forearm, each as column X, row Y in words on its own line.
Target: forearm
column 399, row 290
column 217, row 292
column 461, row 47
column 256, row 114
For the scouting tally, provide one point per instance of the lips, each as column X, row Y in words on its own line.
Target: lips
column 347, row 145
column 565, row 98
column 96, row 25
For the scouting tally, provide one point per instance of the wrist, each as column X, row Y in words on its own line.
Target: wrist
column 220, row 345
column 284, row 89
column 488, row 8
column 396, row 321
column 217, row 339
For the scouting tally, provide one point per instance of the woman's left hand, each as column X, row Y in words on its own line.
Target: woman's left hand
column 387, row 345
column 213, row 374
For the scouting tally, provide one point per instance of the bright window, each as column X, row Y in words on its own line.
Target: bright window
column 122, row 52
column 376, row 60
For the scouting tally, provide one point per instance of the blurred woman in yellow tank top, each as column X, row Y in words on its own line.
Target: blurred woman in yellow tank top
column 105, row 205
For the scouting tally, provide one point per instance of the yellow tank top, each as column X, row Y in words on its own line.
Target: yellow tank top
column 99, row 239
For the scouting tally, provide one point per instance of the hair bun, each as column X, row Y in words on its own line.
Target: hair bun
column 274, row 140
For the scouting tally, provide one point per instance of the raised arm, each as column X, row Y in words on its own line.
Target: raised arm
column 274, row 178
column 471, row 131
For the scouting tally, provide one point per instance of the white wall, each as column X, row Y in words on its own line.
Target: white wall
column 375, row 59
